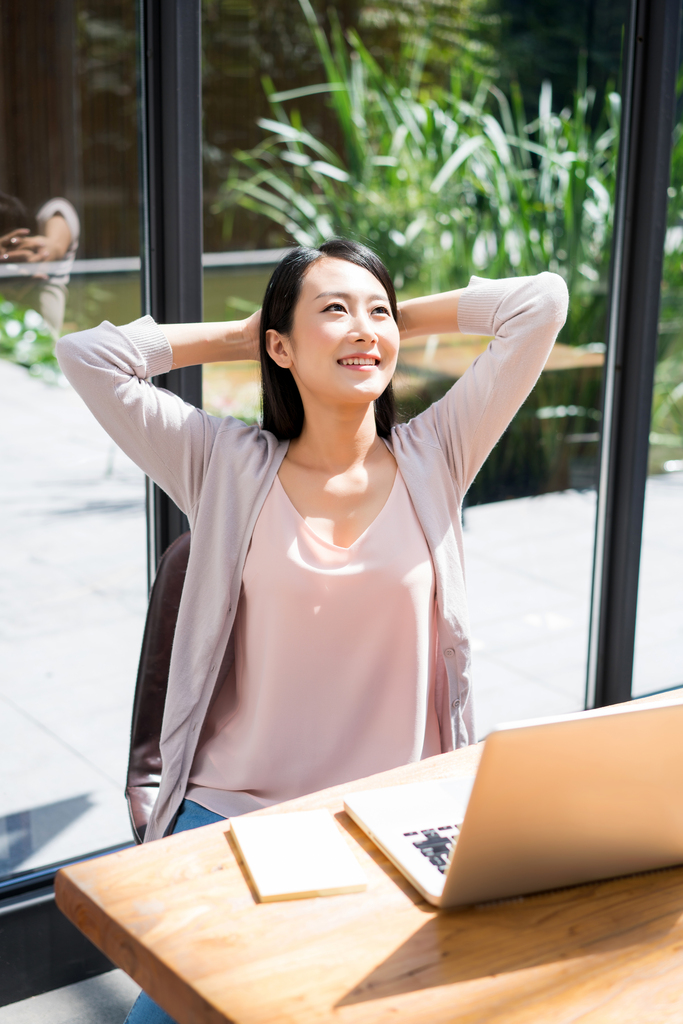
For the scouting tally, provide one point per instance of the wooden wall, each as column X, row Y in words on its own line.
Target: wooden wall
column 68, row 114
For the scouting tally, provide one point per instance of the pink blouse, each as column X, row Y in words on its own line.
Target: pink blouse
column 335, row 657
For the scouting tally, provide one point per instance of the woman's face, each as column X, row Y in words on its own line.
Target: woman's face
column 343, row 345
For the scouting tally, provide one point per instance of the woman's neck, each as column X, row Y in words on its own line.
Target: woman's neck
column 335, row 439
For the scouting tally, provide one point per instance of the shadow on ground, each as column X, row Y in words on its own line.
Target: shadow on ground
column 24, row 833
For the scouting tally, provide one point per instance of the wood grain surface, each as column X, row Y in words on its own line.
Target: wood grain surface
column 179, row 917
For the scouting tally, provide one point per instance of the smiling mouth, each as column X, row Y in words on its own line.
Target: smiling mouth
column 359, row 361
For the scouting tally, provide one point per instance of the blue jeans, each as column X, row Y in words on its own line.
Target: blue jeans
column 191, row 815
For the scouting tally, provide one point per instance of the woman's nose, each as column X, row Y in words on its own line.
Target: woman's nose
column 366, row 329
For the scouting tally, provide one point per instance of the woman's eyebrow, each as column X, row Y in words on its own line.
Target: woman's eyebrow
column 347, row 296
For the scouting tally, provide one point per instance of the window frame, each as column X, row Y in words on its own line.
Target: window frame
column 170, row 153
column 170, row 147
column 651, row 62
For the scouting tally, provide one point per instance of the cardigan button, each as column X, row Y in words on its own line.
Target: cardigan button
column 455, row 704
column 449, row 652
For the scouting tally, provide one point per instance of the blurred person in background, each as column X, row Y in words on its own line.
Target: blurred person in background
column 51, row 237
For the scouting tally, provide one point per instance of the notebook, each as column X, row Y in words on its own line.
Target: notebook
column 295, row 856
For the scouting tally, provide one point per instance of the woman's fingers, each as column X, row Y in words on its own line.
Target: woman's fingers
column 13, row 238
column 31, row 249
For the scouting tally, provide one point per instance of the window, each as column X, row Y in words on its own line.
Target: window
column 460, row 139
column 478, row 136
column 74, row 536
column 659, row 625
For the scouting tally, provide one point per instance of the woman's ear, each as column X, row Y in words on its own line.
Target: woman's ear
column 277, row 346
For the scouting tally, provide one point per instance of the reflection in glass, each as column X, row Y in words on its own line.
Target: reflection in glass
column 455, row 146
column 659, row 626
column 73, row 543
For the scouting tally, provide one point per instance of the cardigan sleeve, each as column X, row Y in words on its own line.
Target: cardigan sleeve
column 168, row 439
column 524, row 315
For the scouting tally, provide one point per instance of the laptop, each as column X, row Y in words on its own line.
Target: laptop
column 555, row 802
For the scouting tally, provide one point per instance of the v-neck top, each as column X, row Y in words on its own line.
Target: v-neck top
column 335, row 655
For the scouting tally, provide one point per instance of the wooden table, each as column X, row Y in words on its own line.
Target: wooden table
column 179, row 917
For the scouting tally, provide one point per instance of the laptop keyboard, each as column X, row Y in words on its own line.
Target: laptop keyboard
column 436, row 844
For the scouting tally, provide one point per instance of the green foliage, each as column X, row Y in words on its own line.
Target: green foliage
column 26, row 339
column 442, row 186
column 666, row 438
column 461, row 33
column 446, row 179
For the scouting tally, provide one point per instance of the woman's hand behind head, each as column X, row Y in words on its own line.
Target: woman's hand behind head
column 251, row 331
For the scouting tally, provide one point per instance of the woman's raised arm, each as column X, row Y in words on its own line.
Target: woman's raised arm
column 111, row 369
column 429, row 314
column 523, row 316
column 193, row 344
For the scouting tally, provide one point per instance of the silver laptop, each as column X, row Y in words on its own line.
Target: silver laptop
column 555, row 802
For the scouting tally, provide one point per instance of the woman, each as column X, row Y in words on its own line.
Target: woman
column 56, row 243
column 323, row 632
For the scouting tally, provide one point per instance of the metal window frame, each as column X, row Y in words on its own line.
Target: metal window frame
column 40, row 950
column 649, row 102
column 171, row 206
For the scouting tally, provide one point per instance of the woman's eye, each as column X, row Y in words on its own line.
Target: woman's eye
column 381, row 309
column 335, row 307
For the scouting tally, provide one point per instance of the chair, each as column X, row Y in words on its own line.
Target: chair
column 144, row 761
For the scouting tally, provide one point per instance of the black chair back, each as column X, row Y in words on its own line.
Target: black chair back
column 144, row 762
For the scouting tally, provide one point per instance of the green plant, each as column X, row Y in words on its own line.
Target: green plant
column 441, row 185
column 25, row 339
column 666, row 438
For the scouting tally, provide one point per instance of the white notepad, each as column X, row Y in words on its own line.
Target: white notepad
column 293, row 856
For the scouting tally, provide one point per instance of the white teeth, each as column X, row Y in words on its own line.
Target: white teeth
column 358, row 362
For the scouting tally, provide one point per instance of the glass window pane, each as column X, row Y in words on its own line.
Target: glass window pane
column 659, row 626
column 73, row 540
column 456, row 140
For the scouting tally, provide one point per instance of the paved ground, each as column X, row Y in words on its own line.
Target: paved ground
column 659, row 633
column 528, row 572
column 73, row 594
column 72, row 604
column 528, row 576
column 102, row 1000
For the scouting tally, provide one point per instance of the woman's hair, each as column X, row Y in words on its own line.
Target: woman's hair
column 283, row 410
column 13, row 214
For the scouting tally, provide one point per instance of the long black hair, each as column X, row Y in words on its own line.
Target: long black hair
column 283, row 410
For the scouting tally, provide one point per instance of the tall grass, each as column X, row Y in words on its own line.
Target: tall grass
column 26, row 339
column 440, row 184
column 444, row 184
column 666, row 438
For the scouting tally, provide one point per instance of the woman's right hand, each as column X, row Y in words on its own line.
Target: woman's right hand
column 226, row 342
column 251, row 334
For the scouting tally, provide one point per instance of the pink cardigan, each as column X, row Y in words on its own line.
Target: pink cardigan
column 220, row 471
